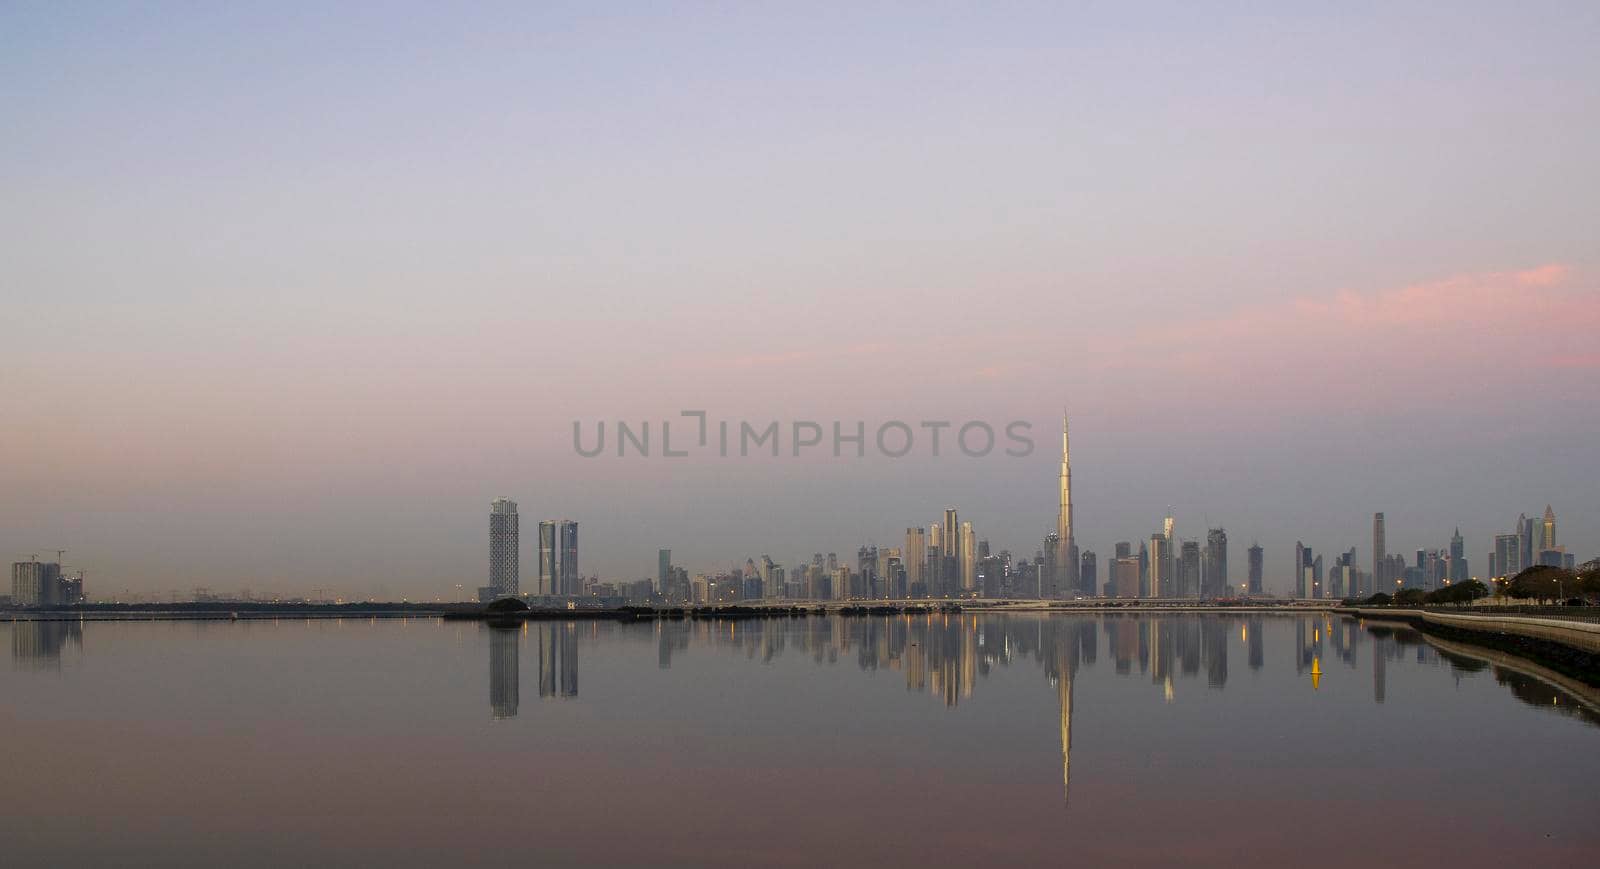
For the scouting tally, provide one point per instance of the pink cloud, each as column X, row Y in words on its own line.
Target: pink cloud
column 1409, row 343
column 1576, row 360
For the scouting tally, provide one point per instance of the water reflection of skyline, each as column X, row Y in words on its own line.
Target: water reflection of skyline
column 946, row 655
column 39, row 644
column 556, row 644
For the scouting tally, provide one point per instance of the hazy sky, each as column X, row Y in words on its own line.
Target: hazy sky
column 292, row 292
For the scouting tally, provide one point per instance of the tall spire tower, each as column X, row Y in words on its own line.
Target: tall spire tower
column 1066, row 547
column 1064, row 521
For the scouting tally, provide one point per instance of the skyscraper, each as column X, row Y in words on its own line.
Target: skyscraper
column 1507, row 554
column 1145, row 589
column 916, row 552
column 1125, row 577
column 950, row 569
column 1255, row 568
column 570, row 583
column 558, row 557
column 1301, row 572
column 1160, row 567
column 969, row 558
column 1380, row 570
column 1548, row 532
column 36, row 583
column 1088, row 572
column 1066, row 545
column 1216, row 564
column 504, row 537
column 1458, row 557
column 664, row 571
column 1189, row 569
column 1525, row 541
column 549, row 556
column 1049, row 571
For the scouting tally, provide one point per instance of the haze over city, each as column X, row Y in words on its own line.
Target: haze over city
column 296, row 292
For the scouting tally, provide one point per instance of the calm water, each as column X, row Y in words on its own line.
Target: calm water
column 1209, row 740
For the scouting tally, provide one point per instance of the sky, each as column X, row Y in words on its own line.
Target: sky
column 294, row 290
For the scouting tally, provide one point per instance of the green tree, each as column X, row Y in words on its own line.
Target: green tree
column 1588, row 578
column 1410, row 597
column 1460, row 594
column 1543, row 583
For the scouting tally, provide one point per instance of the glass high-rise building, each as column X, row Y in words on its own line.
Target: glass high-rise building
column 968, row 553
column 1380, row 569
column 567, row 532
column 504, row 543
column 1161, row 582
column 950, row 539
column 914, row 554
column 558, row 557
column 1458, row 558
column 1216, row 564
column 1255, row 569
column 1189, row 569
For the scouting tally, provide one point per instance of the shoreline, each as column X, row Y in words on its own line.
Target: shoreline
column 1571, row 649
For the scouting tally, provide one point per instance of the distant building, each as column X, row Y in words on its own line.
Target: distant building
column 1380, row 571
column 991, row 574
column 950, row 540
column 1049, row 575
column 1088, row 572
column 36, row 583
column 504, row 545
column 568, row 534
column 1255, row 586
column 1161, row 582
column 1215, row 580
column 1189, row 569
column 1507, row 555
column 1144, row 570
column 1125, row 577
column 1458, row 558
column 1526, row 537
column 914, row 557
column 558, row 557
column 1308, row 572
column 969, row 559
column 664, row 570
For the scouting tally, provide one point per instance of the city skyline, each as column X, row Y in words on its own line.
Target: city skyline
column 1177, row 565
column 959, row 564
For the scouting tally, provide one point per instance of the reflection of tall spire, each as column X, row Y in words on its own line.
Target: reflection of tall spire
column 1064, row 686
